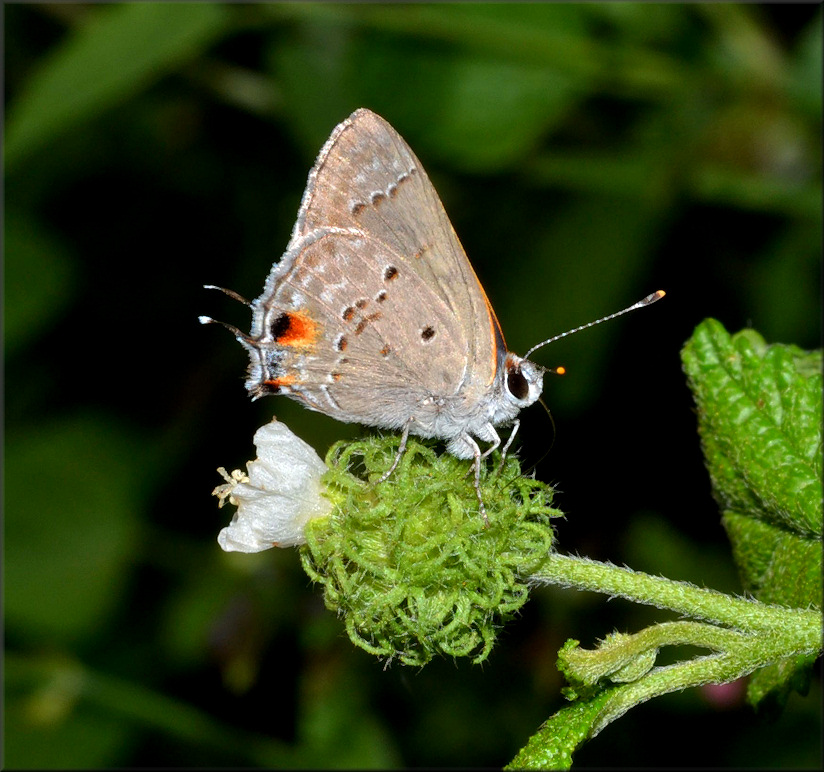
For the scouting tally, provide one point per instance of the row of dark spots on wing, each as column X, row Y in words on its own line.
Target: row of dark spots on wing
column 348, row 313
column 336, row 376
column 379, row 196
column 362, row 324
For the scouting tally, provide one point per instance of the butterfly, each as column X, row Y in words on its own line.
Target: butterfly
column 373, row 315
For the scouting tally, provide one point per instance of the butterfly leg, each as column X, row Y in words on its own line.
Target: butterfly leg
column 476, row 452
column 515, row 426
column 399, row 455
column 496, row 441
column 488, row 432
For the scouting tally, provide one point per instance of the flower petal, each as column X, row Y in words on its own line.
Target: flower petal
column 281, row 492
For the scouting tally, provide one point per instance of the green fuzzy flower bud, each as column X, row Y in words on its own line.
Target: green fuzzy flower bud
column 410, row 564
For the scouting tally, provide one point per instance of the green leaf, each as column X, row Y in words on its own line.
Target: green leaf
column 769, row 688
column 759, row 411
column 552, row 746
column 759, row 417
column 766, row 553
column 124, row 48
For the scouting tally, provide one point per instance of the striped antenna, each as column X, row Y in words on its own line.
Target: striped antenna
column 647, row 301
column 230, row 293
column 241, row 336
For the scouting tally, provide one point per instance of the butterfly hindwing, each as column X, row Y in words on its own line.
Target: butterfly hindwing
column 353, row 333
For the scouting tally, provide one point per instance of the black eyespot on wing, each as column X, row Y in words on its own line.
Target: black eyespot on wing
column 280, row 326
column 390, row 273
column 517, row 384
column 427, row 333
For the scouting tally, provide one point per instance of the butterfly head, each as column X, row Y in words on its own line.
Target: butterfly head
column 524, row 380
column 521, row 384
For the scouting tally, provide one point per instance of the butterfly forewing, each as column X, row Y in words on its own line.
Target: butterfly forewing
column 367, row 178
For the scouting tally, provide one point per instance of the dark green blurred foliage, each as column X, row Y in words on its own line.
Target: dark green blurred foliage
column 587, row 154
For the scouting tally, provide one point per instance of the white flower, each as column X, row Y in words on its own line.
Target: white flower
column 278, row 496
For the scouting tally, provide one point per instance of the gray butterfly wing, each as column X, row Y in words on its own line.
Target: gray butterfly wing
column 347, row 329
column 367, row 178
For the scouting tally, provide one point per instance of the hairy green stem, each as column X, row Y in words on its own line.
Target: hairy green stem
column 743, row 614
column 713, row 668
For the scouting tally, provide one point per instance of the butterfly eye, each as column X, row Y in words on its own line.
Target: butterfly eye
column 517, row 384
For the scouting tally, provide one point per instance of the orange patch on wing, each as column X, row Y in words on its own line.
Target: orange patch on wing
column 300, row 331
column 278, row 383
